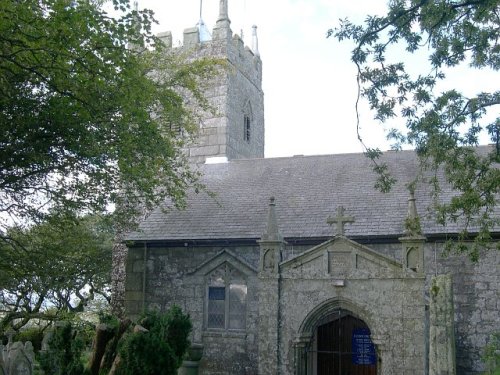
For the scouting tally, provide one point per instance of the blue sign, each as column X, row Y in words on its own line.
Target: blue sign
column 363, row 350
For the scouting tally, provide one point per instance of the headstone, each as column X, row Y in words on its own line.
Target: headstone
column 46, row 339
column 20, row 359
column 3, row 358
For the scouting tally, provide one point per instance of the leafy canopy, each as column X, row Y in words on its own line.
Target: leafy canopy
column 91, row 107
column 51, row 271
column 444, row 126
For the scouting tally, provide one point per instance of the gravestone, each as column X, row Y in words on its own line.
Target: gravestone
column 3, row 355
column 17, row 359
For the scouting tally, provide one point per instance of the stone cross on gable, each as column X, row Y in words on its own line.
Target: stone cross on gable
column 340, row 220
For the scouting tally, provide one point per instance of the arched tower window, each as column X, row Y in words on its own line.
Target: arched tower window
column 247, row 122
column 247, row 128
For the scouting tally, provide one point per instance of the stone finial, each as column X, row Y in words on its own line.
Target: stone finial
column 340, row 220
column 412, row 207
column 413, row 240
column 222, row 30
column 255, row 41
column 223, row 11
column 271, row 244
column 272, row 230
column 412, row 221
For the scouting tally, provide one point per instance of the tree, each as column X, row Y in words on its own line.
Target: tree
column 444, row 127
column 52, row 270
column 91, row 108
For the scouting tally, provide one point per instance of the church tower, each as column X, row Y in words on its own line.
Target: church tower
column 236, row 131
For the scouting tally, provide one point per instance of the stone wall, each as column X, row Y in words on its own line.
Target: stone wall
column 476, row 288
column 170, row 279
column 173, row 276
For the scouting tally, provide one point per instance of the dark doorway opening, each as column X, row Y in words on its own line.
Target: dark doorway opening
column 342, row 346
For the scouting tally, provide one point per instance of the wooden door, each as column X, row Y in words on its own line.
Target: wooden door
column 344, row 347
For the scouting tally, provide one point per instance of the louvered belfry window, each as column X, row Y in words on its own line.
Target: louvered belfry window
column 247, row 129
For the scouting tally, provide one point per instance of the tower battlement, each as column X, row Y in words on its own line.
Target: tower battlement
column 236, row 131
column 233, row 49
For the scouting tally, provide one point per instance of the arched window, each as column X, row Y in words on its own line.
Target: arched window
column 247, row 121
column 247, row 128
column 226, row 299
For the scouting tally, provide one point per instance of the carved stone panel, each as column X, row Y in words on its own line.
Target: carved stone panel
column 269, row 259
column 339, row 264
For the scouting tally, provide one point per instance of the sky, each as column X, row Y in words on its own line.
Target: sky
column 309, row 82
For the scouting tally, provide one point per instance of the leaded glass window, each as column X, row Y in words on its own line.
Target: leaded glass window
column 216, row 307
column 237, row 306
column 227, row 299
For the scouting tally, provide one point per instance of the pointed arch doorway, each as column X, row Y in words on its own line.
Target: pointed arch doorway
column 342, row 345
column 335, row 341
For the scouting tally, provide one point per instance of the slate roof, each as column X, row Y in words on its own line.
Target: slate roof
column 308, row 189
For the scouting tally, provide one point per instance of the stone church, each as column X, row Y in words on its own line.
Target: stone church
column 297, row 265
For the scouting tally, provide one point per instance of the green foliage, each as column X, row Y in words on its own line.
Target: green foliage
column 491, row 355
column 64, row 354
column 108, row 319
column 86, row 121
column 32, row 334
column 412, row 226
column 53, row 270
column 159, row 351
column 443, row 126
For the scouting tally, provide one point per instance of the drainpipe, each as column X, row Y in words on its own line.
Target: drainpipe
column 279, row 322
column 144, row 268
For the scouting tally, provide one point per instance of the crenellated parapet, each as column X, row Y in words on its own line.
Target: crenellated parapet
column 233, row 49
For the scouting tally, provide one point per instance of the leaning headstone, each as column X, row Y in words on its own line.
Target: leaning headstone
column 46, row 339
column 442, row 332
column 20, row 359
column 3, row 358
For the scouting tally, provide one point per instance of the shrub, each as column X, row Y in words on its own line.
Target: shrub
column 64, row 354
column 492, row 355
column 159, row 350
column 33, row 334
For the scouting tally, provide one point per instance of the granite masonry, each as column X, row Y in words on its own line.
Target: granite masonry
column 298, row 265
column 236, row 130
